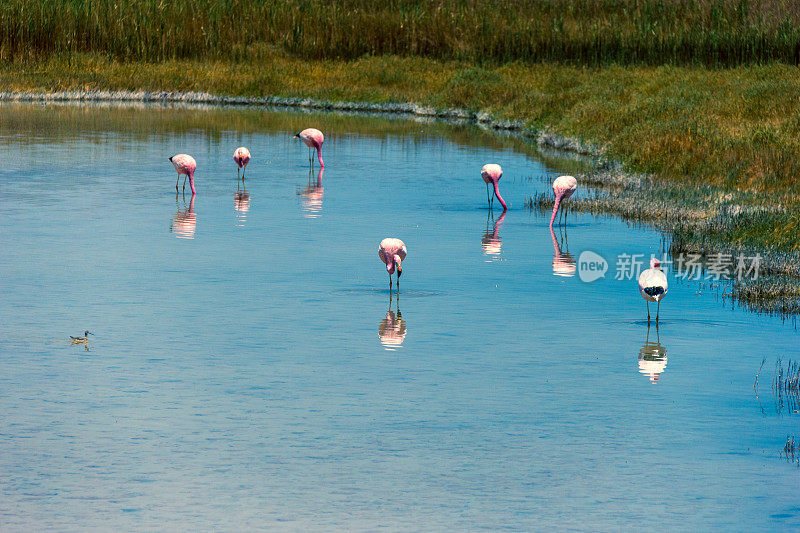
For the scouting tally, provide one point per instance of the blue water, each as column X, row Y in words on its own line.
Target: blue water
column 249, row 371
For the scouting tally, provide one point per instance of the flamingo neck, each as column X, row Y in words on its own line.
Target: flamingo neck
column 499, row 198
column 319, row 156
column 555, row 209
column 191, row 183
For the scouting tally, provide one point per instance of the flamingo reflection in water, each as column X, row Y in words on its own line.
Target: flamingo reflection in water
column 392, row 329
column 312, row 195
column 241, row 203
column 185, row 220
column 563, row 262
column 491, row 242
column 652, row 358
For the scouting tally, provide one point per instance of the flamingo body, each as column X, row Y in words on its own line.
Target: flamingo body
column 563, row 188
column 653, row 285
column 313, row 138
column 491, row 173
column 392, row 252
column 184, row 165
column 242, row 157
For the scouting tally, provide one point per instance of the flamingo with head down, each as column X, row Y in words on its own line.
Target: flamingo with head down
column 563, row 188
column 184, row 165
column 241, row 156
column 392, row 252
column 491, row 173
column 312, row 138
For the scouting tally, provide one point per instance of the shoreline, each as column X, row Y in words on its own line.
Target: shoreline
column 630, row 196
column 541, row 137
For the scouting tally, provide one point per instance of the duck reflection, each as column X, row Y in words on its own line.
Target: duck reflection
column 312, row 195
column 652, row 358
column 491, row 242
column 241, row 203
column 392, row 329
column 563, row 262
column 185, row 220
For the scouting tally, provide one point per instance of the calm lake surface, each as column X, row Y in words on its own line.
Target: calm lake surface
column 248, row 369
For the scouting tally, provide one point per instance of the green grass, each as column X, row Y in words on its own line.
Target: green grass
column 586, row 32
column 737, row 129
column 718, row 149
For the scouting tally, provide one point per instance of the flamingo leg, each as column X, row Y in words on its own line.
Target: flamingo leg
column 658, row 305
column 398, row 286
column 176, row 182
column 390, row 286
column 237, row 171
column 184, row 183
column 648, row 312
column 488, row 196
column 244, row 171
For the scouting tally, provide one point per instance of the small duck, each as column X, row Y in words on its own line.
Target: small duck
column 83, row 339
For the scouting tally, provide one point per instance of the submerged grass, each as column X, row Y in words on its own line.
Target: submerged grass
column 588, row 32
column 791, row 451
column 786, row 386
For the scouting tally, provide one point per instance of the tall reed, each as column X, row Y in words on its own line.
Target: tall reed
column 591, row 32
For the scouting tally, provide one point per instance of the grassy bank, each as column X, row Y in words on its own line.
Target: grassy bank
column 737, row 129
column 585, row 32
column 709, row 154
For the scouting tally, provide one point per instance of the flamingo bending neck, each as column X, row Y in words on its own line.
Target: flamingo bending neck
column 555, row 209
column 497, row 193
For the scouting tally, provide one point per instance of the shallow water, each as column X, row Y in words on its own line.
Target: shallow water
column 248, row 369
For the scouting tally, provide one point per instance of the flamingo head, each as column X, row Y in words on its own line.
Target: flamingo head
column 655, row 263
column 395, row 262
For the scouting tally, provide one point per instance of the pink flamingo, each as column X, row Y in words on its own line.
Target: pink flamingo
column 242, row 157
column 313, row 139
column 563, row 187
column 392, row 252
column 186, row 165
column 653, row 286
column 492, row 173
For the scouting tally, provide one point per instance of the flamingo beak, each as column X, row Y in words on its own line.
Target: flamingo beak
column 399, row 270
